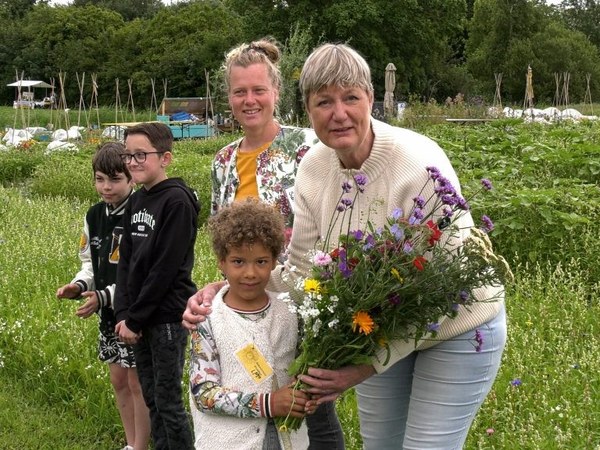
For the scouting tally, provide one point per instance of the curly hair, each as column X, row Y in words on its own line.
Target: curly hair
column 246, row 223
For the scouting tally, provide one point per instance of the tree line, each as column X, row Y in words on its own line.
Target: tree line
column 439, row 47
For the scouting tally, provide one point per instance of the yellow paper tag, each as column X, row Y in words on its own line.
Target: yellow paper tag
column 254, row 362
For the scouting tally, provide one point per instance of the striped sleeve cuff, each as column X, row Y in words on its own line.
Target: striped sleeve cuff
column 265, row 405
column 82, row 286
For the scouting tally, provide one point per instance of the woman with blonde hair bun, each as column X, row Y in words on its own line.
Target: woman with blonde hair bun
column 261, row 164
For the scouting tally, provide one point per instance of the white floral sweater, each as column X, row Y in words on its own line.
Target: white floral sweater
column 396, row 173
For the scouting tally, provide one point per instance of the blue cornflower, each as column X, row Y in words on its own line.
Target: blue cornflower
column 397, row 213
column 358, row 234
column 344, row 269
column 397, row 231
column 369, row 242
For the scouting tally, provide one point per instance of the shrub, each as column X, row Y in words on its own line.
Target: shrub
column 18, row 164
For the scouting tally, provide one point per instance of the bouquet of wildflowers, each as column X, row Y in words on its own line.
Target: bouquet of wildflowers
column 393, row 282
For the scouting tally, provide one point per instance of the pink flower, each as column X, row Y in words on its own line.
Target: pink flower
column 321, row 259
column 490, row 431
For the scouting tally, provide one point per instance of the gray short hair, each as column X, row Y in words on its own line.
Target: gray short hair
column 334, row 65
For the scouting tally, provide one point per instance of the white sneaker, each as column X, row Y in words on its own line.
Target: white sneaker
column 127, row 447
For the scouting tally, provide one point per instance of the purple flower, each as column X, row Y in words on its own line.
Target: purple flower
column 397, row 213
column 479, row 340
column 346, row 187
column 444, row 186
column 345, row 203
column 358, row 234
column 326, row 275
column 433, row 327
column 416, row 216
column 344, row 269
column 419, row 201
column 407, row 247
column 463, row 295
column 394, row 299
column 516, row 382
column 488, row 225
column 361, row 180
column 487, row 184
column 461, row 203
column 447, row 211
column 434, row 173
column 448, row 199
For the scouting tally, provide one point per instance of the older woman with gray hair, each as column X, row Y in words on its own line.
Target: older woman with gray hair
column 426, row 395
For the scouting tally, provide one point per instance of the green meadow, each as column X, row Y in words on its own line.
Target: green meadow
column 55, row 394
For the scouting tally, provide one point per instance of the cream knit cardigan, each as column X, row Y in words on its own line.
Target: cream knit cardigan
column 396, row 172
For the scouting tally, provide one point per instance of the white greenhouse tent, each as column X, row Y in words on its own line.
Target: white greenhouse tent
column 25, row 93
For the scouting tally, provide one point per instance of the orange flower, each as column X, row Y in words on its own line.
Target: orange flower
column 363, row 321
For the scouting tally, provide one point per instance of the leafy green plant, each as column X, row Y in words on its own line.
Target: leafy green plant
column 18, row 164
column 545, row 203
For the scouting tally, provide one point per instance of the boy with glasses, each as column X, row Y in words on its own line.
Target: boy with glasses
column 154, row 279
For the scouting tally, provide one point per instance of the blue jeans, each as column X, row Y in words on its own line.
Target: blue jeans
column 159, row 356
column 324, row 429
column 428, row 400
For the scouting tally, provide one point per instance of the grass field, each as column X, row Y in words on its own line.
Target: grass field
column 54, row 394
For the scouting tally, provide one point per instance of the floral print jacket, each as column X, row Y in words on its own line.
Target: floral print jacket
column 275, row 171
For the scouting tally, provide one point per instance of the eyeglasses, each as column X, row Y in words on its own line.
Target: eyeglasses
column 139, row 157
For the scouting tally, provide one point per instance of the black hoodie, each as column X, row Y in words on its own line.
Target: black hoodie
column 154, row 279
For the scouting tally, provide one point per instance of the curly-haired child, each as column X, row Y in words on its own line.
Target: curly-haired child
column 240, row 354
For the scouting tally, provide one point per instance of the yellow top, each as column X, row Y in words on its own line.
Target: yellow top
column 246, row 168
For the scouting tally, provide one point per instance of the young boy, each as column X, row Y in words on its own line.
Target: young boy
column 99, row 254
column 154, row 279
column 240, row 354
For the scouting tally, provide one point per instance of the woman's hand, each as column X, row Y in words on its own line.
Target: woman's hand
column 327, row 385
column 198, row 305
